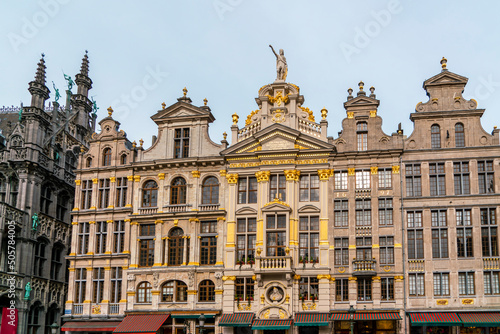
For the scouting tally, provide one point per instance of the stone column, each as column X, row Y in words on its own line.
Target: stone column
column 324, row 244
column 398, row 290
column 106, row 295
column 262, row 197
column 323, row 292
column 232, row 180
column 220, row 242
column 158, row 244
column 95, row 193
column 127, row 236
column 134, row 260
column 228, row 296
column 78, row 194
column 88, row 291
column 353, row 288
column 110, row 228
column 292, row 176
column 198, row 191
column 74, row 239
column 137, row 194
column 161, row 192
column 376, row 290
column 112, row 192
column 194, row 246
column 184, row 254
column 92, row 237
column 130, row 191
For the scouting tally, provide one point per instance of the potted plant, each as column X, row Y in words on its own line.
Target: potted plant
column 241, row 261
column 250, row 299
column 238, row 299
column 303, row 296
column 314, row 297
column 250, row 261
column 314, row 260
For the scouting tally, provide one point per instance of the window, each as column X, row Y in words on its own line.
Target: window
column 208, row 227
column 3, row 188
column 70, row 161
column 341, row 251
column 362, row 179
column 86, row 194
column 56, row 262
column 147, row 245
column 208, row 250
column 364, row 249
column 385, row 178
column 416, row 284
column 101, row 236
column 45, row 198
column 491, row 282
column 116, row 284
column 34, row 316
column 104, row 189
column 88, row 162
column 14, row 190
column 83, row 238
column 342, row 290
column 362, row 132
column 341, row 212
column 340, row 180
column 437, row 179
column 40, row 257
column 385, row 211
column 181, row 143
column 387, row 285
column 415, row 235
column 119, row 236
column 277, row 188
column 123, row 159
column 489, row 233
column 435, row 136
column 176, row 247
column 246, row 229
column 485, row 177
column 386, row 250
column 98, row 285
column 276, row 235
column 80, row 285
column 62, row 205
column 441, row 284
column 309, row 237
column 106, row 157
column 459, row 135
column 363, row 212
column 413, row 180
column 461, row 178
column 150, row 194
column 210, row 191
column 174, row 291
column 247, row 190
column 121, row 192
column 144, row 294
column 439, row 234
column 464, row 233
column 308, row 288
column 244, row 288
column 178, row 191
column 206, row 291
column 309, row 188
column 364, row 289
column 466, row 284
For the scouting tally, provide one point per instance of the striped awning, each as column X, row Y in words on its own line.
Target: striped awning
column 141, row 323
column 272, row 324
column 480, row 319
column 90, row 326
column 367, row 316
column 435, row 319
column 311, row 319
column 236, row 319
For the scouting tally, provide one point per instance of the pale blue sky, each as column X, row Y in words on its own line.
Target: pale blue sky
column 219, row 50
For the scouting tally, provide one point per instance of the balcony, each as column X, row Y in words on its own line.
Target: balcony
column 364, row 267
column 114, row 308
column 416, row 265
column 177, row 208
column 77, row 309
column 491, row 263
column 148, row 211
column 208, row 207
column 274, row 264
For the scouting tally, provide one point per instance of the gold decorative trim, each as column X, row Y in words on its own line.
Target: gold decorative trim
column 398, row 278
column 352, row 278
column 442, row 302
column 351, row 171
column 130, row 177
column 375, row 278
column 395, row 169
column 373, row 113
column 229, row 278
column 350, row 114
column 137, row 178
column 196, row 173
column 232, row 178
column 95, row 180
column 292, row 175
column 323, row 276
column 112, row 179
column 276, row 200
column 374, row 170
column 78, row 182
column 161, row 176
column 467, row 301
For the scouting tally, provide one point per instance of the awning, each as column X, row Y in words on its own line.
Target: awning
column 191, row 316
column 236, row 319
column 480, row 319
column 141, row 323
column 435, row 319
column 272, row 324
column 367, row 316
column 340, row 316
column 311, row 319
column 90, row 326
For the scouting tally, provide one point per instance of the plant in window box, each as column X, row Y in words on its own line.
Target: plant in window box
column 303, row 260
column 238, row 299
column 303, row 296
column 240, row 262
column 314, row 297
column 314, row 260
column 250, row 261
column 250, row 299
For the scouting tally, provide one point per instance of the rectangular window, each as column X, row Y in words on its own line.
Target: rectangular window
column 387, row 285
column 308, row 288
column 146, row 245
column 98, row 285
column 386, row 250
column 119, row 236
column 362, row 136
column 208, row 250
column 385, row 211
column 364, row 289
column 277, row 187
column 121, row 192
column 341, row 212
column 309, row 188
column 181, row 143
column 86, row 194
column 439, row 234
column 80, row 285
column 385, row 178
column 208, row 227
column 244, row 288
column 437, row 179
column 341, row 251
column 101, row 236
column 464, row 233
column 247, row 190
column 116, row 284
column 363, row 212
column 485, row 177
column 340, row 180
column 415, row 235
column 309, row 237
column 461, row 178
column 491, row 282
column 413, row 180
column 246, row 229
column 83, row 238
column 441, row 284
column 489, row 233
column 466, row 286
column 276, row 235
column 416, row 284
column 104, row 189
column 342, row 290
column 363, row 179
column 364, row 249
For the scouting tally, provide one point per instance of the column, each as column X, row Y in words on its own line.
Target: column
column 128, row 236
column 292, row 176
column 194, row 246
column 110, row 237
column 158, row 243
column 133, row 245
column 88, row 291
column 324, row 291
column 95, row 191
column 74, row 238
column 106, row 291
column 324, row 176
column 232, row 180
column 78, row 194
column 398, row 290
column 161, row 192
column 136, row 202
column 262, row 197
column 376, row 290
column 92, row 237
column 220, row 241
column 130, row 188
column 196, row 198
column 112, row 192
column 353, row 288
column 184, row 253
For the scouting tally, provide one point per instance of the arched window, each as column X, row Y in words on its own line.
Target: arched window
column 149, row 194
column 3, row 188
column 176, row 247
column 88, row 162
column 435, row 136
column 206, row 291
column 14, row 189
column 144, row 292
column 123, row 159
column 178, row 191
column 106, row 157
column 40, row 259
column 51, row 317
column 56, row 261
column 62, row 205
column 45, row 198
column 174, row 291
column 210, row 191
column 459, row 135
column 34, row 318
column 362, row 134
column 70, row 161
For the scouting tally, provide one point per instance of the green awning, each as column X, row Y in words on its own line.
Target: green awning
column 311, row 319
column 435, row 319
column 272, row 324
column 191, row 316
column 236, row 319
column 491, row 319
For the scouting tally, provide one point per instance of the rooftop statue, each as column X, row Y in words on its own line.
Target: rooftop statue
column 69, row 80
column 281, row 66
column 58, row 96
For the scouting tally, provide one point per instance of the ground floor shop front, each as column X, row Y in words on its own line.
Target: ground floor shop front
column 454, row 322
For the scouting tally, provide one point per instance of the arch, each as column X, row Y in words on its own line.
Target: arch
column 178, row 191
column 56, row 260
column 51, row 317
column 176, row 246
column 210, row 190
column 174, row 291
column 144, row 294
column 150, row 194
column 435, row 136
column 88, row 162
column 34, row 318
column 106, row 157
column 206, row 291
column 459, row 135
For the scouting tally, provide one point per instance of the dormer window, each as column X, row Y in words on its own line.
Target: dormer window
column 362, row 134
column 435, row 136
column 459, row 135
column 181, row 143
column 106, row 157
column 123, row 159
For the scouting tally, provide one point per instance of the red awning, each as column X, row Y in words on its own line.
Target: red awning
column 272, row 324
column 367, row 316
column 236, row 319
column 90, row 326
column 340, row 316
column 435, row 319
column 311, row 319
column 141, row 323
column 489, row 319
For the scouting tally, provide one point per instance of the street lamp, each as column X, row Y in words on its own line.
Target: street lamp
column 201, row 321
column 351, row 317
column 53, row 328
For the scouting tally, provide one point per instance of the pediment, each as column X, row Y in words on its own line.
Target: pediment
column 444, row 78
column 309, row 209
column 275, row 206
column 246, row 211
column 361, row 101
column 181, row 110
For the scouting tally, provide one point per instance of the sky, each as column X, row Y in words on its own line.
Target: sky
column 143, row 53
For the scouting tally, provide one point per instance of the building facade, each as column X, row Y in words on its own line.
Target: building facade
column 287, row 228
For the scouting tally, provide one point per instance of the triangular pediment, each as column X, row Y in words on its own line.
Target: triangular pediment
column 361, row 101
column 181, row 110
column 276, row 206
column 444, row 78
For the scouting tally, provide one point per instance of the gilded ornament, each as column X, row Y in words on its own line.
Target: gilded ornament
column 351, row 171
column 350, row 114
column 263, row 176
column 259, row 250
column 163, row 105
column 278, row 116
column 324, row 276
column 324, row 113
column 292, row 175
column 398, row 278
column 278, row 201
column 232, row 178
column 467, row 301
column 373, row 113
column 248, row 121
column 137, row 178
column 395, row 169
column 235, row 118
column 387, row 268
column 374, row 170
column 341, row 270
column 310, row 113
column 324, row 174
column 375, row 278
column 222, row 173
column 278, row 98
column 161, row 176
column 195, row 173
column 353, row 279
column 442, row 302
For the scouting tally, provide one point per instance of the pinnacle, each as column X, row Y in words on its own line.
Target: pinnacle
column 40, row 72
column 85, row 65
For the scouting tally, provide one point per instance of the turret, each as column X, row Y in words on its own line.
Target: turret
column 39, row 92
column 80, row 101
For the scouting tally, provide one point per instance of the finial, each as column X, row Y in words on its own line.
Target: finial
column 86, row 51
column 349, row 91
column 205, row 101
column 110, row 111
column 372, row 91
column 224, row 135
column 40, row 72
column 134, row 144
column 84, row 70
column 361, row 85
column 235, row 118
column 443, row 63
column 43, row 54
column 324, row 112
column 185, row 91
column 141, row 142
column 163, row 105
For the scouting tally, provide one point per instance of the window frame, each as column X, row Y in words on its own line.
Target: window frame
column 206, row 291
column 461, row 178
column 181, row 143
column 144, row 295
column 213, row 191
column 310, row 250
column 106, row 156
column 149, row 198
column 435, row 136
column 309, row 188
column 178, row 191
column 244, row 236
column 246, row 193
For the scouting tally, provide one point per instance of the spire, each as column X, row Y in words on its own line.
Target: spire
column 82, row 79
column 39, row 92
column 85, row 65
column 40, row 72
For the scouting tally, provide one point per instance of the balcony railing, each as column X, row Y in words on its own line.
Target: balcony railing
column 491, row 263
column 77, row 309
column 274, row 263
column 114, row 308
column 148, row 211
column 416, row 265
column 208, row 207
column 309, row 128
column 177, row 208
column 364, row 267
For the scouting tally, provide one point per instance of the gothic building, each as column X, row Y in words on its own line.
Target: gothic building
column 39, row 150
column 289, row 229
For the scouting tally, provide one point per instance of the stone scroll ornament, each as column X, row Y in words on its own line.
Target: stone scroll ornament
column 281, row 66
